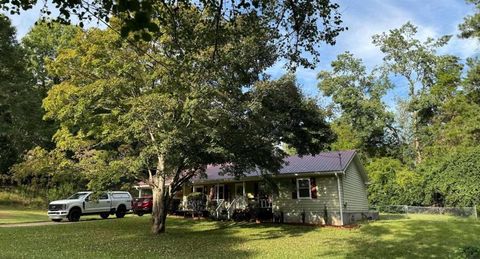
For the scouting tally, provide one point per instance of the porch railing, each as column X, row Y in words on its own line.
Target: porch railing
column 265, row 203
column 220, row 206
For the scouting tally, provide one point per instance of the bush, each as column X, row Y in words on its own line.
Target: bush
column 16, row 198
column 196, row 201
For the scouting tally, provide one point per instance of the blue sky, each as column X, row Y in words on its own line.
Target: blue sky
column 365, row 18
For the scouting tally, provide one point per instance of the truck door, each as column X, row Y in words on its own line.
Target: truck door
column 104, row 202
column 97, row 205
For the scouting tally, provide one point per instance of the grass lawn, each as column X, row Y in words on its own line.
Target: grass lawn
column 21, row 215
column 415, row 236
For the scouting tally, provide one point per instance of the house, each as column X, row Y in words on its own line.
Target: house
column 327, row 188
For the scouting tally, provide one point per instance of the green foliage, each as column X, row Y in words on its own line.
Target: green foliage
column 363, row 123
column 295, row 27
column 453, row 175
column 470, row 28
column 472, row 80
column 19, row 198
column 110, row 104
column 143, row 112
column 392, row 183
column 48, row 174
column 41, row 45
column 419, row 65
column 21, row 125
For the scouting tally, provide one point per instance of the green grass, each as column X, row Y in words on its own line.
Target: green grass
column 14, row 198
column 415, row 236
column 20, row 215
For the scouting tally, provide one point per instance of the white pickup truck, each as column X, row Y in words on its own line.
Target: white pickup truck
column 83, row 203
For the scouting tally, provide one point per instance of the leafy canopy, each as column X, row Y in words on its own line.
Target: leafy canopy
column 296, row 27
column 154, row 114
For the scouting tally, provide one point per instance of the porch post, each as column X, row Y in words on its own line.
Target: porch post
column 244, row 189
column 139, row 192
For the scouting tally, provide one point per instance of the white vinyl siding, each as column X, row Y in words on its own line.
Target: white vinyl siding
column 355, row 191
column 314, row 208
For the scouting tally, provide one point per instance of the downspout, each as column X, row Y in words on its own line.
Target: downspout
column 339, row 198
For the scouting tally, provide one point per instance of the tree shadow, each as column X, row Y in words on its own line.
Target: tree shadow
column 262, row 230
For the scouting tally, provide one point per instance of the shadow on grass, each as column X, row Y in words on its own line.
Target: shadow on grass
column 229, row 237
column 414, row 237
column 268, row 230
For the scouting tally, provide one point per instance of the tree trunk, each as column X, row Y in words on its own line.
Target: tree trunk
column 159, row 210
column 416, row 141
column 415, row 126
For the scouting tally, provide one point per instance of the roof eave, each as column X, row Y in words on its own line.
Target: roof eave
column 256, row 178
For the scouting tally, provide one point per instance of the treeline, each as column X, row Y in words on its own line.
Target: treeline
column 426, row 150
column 28, row 158
column 423, row 151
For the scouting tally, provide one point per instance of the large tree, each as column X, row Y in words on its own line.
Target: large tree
column 20, row 102
column 416, row 62
column 41, row 44
column 164, row 109
column 295, row 26
column 470, row 28
column 363, row 121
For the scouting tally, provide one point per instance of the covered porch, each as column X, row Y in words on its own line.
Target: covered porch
column 225, row 199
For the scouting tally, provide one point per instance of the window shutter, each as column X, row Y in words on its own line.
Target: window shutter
column 294, row 185
column 313, row 187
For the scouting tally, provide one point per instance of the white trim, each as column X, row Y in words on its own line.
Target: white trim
column 309, row 189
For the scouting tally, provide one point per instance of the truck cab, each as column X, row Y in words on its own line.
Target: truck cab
column 86, row 203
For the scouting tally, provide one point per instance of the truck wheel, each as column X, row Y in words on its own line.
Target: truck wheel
column 121, row 211
column 104, row 215
column 74, row 215
column 56, row 220
column 140, row 214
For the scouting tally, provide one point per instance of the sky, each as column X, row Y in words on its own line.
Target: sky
column 364, row 18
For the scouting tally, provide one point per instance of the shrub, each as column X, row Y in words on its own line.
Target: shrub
column 196, row 201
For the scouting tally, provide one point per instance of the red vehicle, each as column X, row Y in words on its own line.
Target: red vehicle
column 142, row 205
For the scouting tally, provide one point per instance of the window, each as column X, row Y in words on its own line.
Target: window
column 103, row 196
column 303, row 188
column 220, row 192
column 198, row 189
column 239, row 191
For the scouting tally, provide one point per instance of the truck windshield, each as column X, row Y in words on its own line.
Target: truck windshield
column 77, row 196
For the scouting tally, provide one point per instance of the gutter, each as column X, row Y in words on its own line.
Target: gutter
column 340, row 197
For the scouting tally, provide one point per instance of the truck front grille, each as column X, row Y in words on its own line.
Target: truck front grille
column 55, row 207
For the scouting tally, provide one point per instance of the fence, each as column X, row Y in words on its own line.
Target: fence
column 453, row 211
